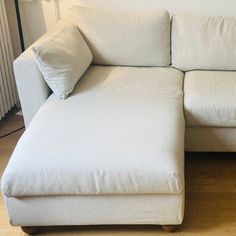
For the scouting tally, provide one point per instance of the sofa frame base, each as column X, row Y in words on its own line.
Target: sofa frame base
column 166, row 210
column 210, row 139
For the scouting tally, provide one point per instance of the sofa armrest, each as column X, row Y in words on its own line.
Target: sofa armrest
column 33, row 90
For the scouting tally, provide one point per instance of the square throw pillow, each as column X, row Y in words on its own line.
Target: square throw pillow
column 62, row 58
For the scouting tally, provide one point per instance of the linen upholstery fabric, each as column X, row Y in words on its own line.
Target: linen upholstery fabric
column 125, row 38
column 210, row 139
column 28, row 75
column 201, row 42
column 124, row 132
column 32, row 88
column 95, row 210
column 210, row 98
column 62, row 58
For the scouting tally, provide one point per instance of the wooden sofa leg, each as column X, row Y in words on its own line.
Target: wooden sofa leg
column 169, row 228
column 30, row 230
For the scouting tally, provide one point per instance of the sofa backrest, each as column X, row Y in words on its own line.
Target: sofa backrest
column 125, row 38
column 200, row 42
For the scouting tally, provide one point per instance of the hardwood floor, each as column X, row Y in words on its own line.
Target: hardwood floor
column 210, row 196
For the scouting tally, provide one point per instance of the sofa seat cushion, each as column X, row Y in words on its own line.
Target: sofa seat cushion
column 210, row 98
column 120, row 132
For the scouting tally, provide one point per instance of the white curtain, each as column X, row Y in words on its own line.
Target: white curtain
column 8, row 92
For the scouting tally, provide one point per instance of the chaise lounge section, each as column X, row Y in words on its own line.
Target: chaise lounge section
column 124, row 149
column 113, row 151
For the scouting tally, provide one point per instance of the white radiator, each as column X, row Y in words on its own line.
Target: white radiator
column 8, row 92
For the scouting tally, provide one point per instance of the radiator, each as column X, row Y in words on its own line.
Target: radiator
column 8, row 91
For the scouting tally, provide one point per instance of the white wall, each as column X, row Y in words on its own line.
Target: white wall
column 39, row 15
column 205, row 7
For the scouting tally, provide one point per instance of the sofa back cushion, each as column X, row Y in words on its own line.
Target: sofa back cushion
column 200, row 42
column 125, row 38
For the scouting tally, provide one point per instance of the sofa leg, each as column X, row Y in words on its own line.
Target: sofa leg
column 30, row 230
column 169, row 228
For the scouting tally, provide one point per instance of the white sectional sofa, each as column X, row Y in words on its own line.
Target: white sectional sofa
column 112, row 152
